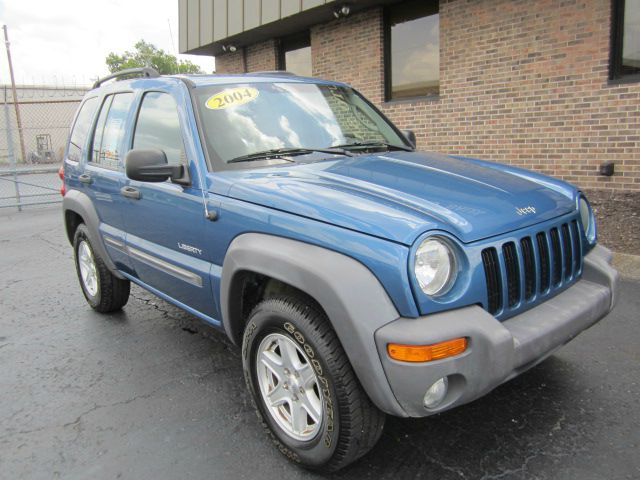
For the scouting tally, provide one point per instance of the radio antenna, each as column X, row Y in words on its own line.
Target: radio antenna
column 173, row 45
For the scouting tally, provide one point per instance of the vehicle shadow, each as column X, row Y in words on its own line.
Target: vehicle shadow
column 524, row 422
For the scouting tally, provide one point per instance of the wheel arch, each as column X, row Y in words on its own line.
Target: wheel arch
column 72, row 220
column 78, row 208
column 353, row 299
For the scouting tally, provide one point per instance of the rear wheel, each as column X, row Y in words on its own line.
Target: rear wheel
column 103, row 291
column 304, row 388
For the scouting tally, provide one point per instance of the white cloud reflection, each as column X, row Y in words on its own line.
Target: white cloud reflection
column 252, row 137
column 292, row 136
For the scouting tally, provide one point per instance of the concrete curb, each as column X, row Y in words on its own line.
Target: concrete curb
column 628, row 265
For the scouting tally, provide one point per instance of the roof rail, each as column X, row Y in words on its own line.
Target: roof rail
column 147, row 72
column 272, row 72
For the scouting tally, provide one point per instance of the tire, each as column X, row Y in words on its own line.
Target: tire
column 103, row 291
column 348, row 425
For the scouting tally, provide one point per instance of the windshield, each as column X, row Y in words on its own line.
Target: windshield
column 245, row 119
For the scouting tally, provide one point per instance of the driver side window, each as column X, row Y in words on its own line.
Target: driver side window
column 158, row 127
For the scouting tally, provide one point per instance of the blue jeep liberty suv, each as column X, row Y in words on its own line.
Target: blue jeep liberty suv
column 359, row 276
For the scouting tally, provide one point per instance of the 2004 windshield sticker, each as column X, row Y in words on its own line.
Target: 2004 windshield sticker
column 232, row 97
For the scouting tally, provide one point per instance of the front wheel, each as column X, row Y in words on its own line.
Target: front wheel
column 304, row 388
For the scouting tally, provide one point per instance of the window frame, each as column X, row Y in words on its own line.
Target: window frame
column 386, row 49
column 617, row 36
column 290, row 43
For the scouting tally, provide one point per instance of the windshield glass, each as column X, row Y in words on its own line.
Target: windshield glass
column 244, row 119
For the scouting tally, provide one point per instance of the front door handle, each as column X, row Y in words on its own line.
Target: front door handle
column 85, row 178
column 131, row 192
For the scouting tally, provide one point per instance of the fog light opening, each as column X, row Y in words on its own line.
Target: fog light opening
column 436, row 393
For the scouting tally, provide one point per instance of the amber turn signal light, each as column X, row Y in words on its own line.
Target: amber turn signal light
column 427, row 353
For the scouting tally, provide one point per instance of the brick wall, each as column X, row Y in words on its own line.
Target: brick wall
column 262, row 57
column 521, row 82
column 230, row 62
column 259, row 57
column 350, row 50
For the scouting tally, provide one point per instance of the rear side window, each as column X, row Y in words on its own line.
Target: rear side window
column 158, row 127
column 81, row 128
column 110, row 130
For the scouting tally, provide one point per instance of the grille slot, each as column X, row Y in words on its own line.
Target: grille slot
column 513, row 273
column 543, row 249
column 492, row 276
column 556, row 263
column 529, row 268
column 568, row 252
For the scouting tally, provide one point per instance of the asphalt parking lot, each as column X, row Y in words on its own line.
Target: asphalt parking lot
column 151, row 392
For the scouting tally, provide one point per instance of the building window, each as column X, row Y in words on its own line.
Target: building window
column 412, row 50
column 295, row 54
column 625, row 45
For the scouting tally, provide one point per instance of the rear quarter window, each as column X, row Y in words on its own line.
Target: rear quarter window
column 110, row 130
column 81, row 127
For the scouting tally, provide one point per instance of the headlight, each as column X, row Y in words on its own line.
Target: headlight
column 587, row 219
column 435, row 266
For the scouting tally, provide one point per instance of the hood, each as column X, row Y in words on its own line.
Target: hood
column 400, row 195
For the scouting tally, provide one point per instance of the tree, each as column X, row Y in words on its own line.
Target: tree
column 148, row 55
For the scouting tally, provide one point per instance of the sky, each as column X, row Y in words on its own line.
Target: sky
column 57, row 42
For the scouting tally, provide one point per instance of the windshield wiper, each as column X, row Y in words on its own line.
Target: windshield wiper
column 282, row 152
column 374, row 144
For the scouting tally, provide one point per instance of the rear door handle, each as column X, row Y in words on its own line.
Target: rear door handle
column 85, row 178
column 131, row 192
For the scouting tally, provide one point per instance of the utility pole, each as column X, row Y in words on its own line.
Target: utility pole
column 15, row 96
column 12, row 157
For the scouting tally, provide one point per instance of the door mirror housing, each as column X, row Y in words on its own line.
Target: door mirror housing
column 151, row 166
column 410, row 136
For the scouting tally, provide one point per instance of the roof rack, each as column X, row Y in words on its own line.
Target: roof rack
column 146, row 72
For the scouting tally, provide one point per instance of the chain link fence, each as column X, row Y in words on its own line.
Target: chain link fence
column 31, row 150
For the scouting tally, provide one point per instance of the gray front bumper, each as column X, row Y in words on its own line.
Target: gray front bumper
column 497, row 351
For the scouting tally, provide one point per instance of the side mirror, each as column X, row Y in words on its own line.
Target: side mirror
column 151, row 166
column 411, row 136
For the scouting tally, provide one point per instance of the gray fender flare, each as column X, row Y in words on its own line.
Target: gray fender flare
column 78, row 202
column 352, row 297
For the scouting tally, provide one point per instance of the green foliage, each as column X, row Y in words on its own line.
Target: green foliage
column 148, row 55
